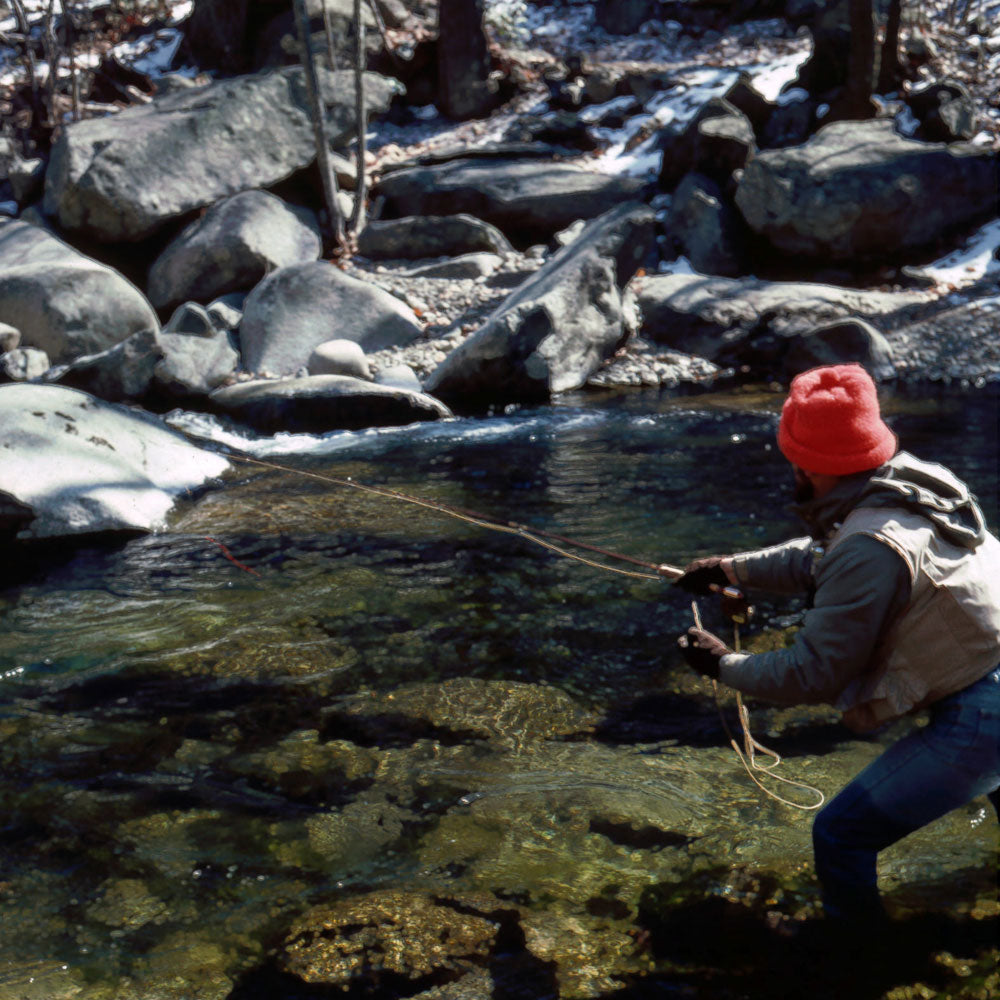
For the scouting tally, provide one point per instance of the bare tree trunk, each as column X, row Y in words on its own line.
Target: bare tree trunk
column 317, row 112
column 359, row 114
column 69, row 41
column 331, row 48
column 24, row 27
column 890, row 70
column 861, row 60
column 52, row 57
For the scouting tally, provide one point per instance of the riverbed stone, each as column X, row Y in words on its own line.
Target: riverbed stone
column 707, row 228
column 839, row 342
column 297, row 308
column 860, row 191
column 83, row 465
column 192, row 365
column 10, row 337
column 339, row 357
column 557, row 328
column 721, row 318
column 527, row 199
column 122, row 177
column 415, row 237
column 389, row 931
column 503, row 710
column 63, row 302
column 123, row 372
column 24, row 364
column 466, row 267
column 313, row 404
column 232, row 247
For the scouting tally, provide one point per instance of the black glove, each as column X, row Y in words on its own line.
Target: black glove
column 702, row 575
column 702, row 650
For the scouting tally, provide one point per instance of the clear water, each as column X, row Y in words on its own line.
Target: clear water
column 369, row 696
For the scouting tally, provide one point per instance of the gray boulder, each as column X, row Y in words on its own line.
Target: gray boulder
column 528, row 200
column 10, row 337
column 231, row 248
column 122, row 177
column 123, row 372
column 23, row 364
column 197, row 354
column 81, row 465
column 297, row 308
column 687, row 146
column 946, row 111
column 62, row 302
column 728, row 320
column 559, row 326
column 838, row 342
column 339, row 357
column 707, row 228
column 399, row 376
column 417, row 237
column 859, row 190
column 468, row 266
column 313, row 404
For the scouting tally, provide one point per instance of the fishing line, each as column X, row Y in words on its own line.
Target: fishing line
column 748, row 754
column 549, row 540
column 546, row 539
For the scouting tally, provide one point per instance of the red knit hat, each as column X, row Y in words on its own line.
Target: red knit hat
column 830, row 423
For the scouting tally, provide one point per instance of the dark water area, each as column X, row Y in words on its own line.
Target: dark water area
column 303, row 695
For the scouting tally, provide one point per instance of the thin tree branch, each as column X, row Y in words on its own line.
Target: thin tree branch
column 360, row 118
column 317, row 112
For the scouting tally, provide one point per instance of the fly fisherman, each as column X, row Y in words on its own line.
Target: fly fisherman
column 904, row 581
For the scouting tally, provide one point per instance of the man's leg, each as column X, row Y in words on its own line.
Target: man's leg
column 926, row 774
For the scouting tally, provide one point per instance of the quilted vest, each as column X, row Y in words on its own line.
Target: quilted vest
column 949, row 635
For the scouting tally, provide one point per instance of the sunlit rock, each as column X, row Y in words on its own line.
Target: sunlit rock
column 406, row 933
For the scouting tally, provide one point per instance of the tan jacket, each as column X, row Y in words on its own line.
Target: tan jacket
column 948, row 636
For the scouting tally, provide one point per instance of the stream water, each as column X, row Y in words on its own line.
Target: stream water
column 305, row 695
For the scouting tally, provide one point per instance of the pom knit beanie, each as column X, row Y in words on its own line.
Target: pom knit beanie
column 830, row 423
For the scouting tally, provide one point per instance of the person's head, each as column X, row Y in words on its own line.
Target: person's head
column 831, row 427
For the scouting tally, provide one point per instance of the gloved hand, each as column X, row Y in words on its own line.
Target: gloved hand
column 702, row 575
column 702, row 650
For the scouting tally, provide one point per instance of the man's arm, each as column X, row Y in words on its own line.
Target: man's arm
column 861, row 587
column 780, row 569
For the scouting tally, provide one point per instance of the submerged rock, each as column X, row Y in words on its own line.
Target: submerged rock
column 505, row 710
column 405, row 933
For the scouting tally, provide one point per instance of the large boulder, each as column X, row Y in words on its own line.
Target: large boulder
column 559, row 326
column 77, row 465
column 121, row 373
column 416, row 237
column 197, row 355
column 63, row 302
column 295, row 309
column 859, row 190
column 748, row 320
column 231, row 248
column 708, row 230
column 314, row 404
column 122, row 177
column 527, row 199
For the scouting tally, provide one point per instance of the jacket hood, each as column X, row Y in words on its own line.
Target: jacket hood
column 930, row 490
column 904, row 481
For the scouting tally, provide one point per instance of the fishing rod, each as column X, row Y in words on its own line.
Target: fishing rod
column 734, row 603
column 548, row 539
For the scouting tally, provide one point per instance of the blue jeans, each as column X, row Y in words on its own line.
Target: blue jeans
column 929, row 772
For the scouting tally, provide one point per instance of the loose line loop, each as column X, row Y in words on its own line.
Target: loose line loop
column 748, row 754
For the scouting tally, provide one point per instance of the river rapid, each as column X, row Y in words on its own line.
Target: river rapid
column 303, row 696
